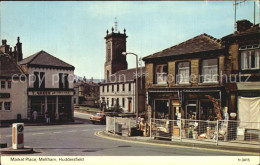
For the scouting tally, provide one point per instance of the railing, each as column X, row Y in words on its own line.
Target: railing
column 119, row 125
column 206, row 131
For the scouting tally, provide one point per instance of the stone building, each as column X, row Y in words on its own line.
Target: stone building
column 13, row 89
column 119, row 85
column 50, row 86
column 243, row 68
column 181, row 79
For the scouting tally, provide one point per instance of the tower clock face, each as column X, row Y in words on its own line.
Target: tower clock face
column 108, row 51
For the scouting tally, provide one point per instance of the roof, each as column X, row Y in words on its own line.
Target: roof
column 82, row 83
column 8, row 67
column 253, row 30
column 44, row 59
column 125, row 75
column 200, row 43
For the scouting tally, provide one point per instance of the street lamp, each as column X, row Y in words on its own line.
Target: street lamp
column 136, row 83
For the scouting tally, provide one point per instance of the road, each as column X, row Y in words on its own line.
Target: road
column 80, row 140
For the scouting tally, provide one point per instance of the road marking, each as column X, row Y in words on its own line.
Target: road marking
column 172, row 145
column 56, row 132
column 37, row 133
column 71, row 131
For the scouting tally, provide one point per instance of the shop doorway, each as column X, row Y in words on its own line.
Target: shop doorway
column 161, row 109
column 175, row 110
column 51, row 107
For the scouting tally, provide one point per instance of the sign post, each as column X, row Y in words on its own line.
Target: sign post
column 18, row 135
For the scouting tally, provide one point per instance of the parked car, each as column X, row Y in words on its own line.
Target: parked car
column 98, row 117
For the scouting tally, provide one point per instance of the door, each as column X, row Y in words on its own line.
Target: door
column 129, row 105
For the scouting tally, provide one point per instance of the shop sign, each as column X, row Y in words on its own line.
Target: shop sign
column 4, row 95
column 49, row 93
column 248, row 85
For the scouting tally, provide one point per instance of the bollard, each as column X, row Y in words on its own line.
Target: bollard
column 18, row 135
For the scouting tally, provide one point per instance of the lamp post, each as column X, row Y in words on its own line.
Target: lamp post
column 136, row 83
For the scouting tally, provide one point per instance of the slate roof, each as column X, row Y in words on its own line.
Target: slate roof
column 200, row 43
column 8, row 67
column 44, row 59
column 253, row 30
column 125, row 75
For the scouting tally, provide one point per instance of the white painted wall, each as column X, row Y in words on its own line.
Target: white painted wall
column 51, row 76
column 18, row 99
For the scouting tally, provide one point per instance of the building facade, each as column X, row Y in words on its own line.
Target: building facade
column 243, row 87
column 13, row 89
column 182, row 80
column 50, row 86
column 119, row 86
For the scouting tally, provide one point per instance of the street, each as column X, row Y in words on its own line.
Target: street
column 80, row 140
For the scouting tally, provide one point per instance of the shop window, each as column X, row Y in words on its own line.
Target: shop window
column 129, row 87
column 1, row 104
column 250, row 59
column 7, row 106
column 123, row 102
column 9, row 84
column 209, row 70
column 207, row 111
column 2, row 84
column 161, row 109
column 161, row 74
column 63, row 81
column 183, row 75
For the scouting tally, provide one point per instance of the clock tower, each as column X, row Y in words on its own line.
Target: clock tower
column 115, row 45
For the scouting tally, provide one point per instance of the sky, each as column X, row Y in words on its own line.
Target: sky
column 75, row 31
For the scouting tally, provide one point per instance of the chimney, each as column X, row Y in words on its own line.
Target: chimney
column 243, row 25
column 4, row 47
column 19, row 49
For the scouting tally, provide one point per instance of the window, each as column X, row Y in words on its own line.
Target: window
column 117, row 88
column 107, row 102
column 112, row 88
column 129, row 86
column 117, row 101
column 39, row 81
column 161, row 74
column 103, row 88
column 1, row 104
column 123, row 87
column 7, row 106
column 123, row 102
column 112, row 104
column 250, row 59
column 183, row 75
column 3, row 84
column 63, row 81
column 9, row 84
column 210, row 70
column 107, row 88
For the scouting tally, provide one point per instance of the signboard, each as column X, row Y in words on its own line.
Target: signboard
column 18, row 136
column 248, row 85
column 4, row 95
column 50, row 93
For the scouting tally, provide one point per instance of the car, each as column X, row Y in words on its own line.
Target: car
column 98, row 117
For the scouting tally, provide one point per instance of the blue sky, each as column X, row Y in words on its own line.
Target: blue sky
column 75, row 31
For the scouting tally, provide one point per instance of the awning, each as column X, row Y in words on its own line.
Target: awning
column 248, row 85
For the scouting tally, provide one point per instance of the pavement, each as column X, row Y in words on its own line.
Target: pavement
column 148, row 140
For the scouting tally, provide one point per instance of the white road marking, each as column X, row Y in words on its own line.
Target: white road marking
column 37, row 133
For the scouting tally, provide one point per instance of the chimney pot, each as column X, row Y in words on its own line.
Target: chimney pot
column 243, row 25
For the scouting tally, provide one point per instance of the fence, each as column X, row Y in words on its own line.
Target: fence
column 206, row 131
column 120, row 125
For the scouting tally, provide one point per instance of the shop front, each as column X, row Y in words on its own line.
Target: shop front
column 58, row 105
